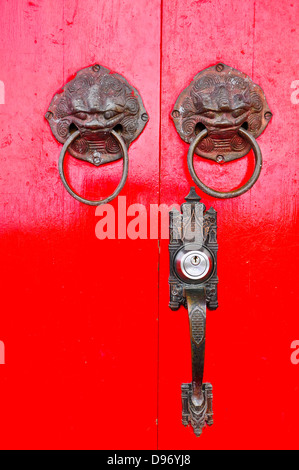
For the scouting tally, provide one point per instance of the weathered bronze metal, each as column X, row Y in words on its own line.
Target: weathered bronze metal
column 121, row 184
column 224, row 102
column 193, row 283
column 234, row 192
column 97, row 103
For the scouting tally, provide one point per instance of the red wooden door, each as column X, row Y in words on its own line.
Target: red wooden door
column 80, row 340
column 93, row 356
column 249, row 336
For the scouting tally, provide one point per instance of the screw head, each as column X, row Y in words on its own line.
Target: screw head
column 268, row 116
column 97, row 158
column 96, row 68
column 220, row 159
column 175, row 113
column 219, row 67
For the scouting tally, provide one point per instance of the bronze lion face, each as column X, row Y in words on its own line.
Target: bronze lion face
column 96, row 102
column 221, row 99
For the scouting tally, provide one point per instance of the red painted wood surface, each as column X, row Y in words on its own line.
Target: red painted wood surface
column 79, row 315
column 249, row 336
column 81, row 342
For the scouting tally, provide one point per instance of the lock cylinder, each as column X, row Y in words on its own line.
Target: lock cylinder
column 193, row 264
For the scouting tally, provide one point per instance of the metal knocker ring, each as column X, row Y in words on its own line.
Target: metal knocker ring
column 69, row 141
column 236, row 192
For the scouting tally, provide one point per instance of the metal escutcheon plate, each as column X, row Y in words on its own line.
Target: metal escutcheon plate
column 96, row 102
column 221, row 99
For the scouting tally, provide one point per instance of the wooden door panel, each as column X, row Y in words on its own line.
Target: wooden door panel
column 249, row 336
column 79, row 315
column 81, row 342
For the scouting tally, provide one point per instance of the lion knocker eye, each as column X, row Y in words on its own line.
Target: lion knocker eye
column 220, row 114
column 110, row 114
column 209, row 114
column 96, row 117
column 238, row 112
column 82, row 116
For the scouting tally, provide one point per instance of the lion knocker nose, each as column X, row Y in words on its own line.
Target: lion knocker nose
column 96, row 116
column 220, row 114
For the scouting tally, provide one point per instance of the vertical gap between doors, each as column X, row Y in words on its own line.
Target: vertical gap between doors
column 159, row 202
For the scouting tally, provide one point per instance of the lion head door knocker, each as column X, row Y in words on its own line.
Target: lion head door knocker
column 220, row 114
column 96, row 116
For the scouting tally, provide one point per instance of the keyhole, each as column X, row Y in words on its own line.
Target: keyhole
column 195, row 260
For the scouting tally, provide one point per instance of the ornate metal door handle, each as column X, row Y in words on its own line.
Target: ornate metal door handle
column 220, row 114
column 193, row 283
column 96, row 116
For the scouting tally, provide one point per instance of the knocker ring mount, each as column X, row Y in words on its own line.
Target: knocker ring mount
column 220, row 114
column 97, row 115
